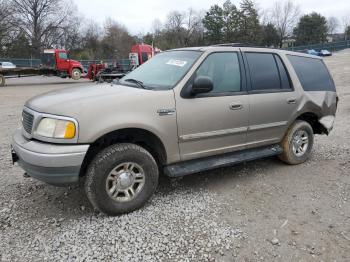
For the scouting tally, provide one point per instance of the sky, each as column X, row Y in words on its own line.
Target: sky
column 138, row 15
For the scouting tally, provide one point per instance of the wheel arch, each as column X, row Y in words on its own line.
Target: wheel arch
column 313, row 120
column 138, row 136
column 76, row 67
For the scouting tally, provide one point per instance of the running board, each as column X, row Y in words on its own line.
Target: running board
column 203, row 164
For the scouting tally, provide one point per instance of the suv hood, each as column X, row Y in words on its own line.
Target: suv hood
column 101, row 109
column 72, row 101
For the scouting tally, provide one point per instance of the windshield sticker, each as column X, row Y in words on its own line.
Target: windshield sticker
column 176, row 62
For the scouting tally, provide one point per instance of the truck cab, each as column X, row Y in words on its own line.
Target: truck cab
column 142, row 53
column 58, row 61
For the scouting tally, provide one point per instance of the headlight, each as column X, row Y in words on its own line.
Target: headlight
column 56, row 128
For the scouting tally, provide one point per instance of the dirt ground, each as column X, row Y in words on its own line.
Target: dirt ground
column 257, row 211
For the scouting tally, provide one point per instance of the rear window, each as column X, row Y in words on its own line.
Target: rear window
column 312, row 73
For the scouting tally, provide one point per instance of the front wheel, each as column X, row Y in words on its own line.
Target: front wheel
column 297, row 143
column 76, row 74
column 121, row 179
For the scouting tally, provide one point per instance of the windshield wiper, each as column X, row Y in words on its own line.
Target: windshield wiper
column 138, row 82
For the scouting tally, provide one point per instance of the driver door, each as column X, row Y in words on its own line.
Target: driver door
column 62, row 62
column 215, row 122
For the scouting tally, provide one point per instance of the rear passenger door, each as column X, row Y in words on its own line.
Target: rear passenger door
column 272, row 98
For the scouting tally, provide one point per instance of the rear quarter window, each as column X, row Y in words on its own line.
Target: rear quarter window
column 312, row 73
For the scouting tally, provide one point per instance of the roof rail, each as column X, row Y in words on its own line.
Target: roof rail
column 238, row 45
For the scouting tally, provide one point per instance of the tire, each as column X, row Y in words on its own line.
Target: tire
column 76, row 74
column 297, row 149
column 109, row 166
column 2, row 80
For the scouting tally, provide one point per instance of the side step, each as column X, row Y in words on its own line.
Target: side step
column 202, row 164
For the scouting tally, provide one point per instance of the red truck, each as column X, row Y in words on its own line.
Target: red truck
column 53, row 62
column 57, row 60
column 143, row 53
column 140, row 53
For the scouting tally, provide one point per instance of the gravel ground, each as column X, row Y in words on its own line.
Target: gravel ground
column 258, row 211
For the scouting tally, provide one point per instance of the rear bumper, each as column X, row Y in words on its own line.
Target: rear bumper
column 327, row 122
column 52, row 163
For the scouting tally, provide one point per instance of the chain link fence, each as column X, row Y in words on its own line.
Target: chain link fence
column 332, row 46
column 19, row 62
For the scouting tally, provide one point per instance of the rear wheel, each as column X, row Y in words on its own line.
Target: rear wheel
column 2, row 80
column 121, row 179
column 76, row 74
column 297, row 143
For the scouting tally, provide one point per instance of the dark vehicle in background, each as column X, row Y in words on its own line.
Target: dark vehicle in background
column 7, row 65
column 318, row 53
column 312, row 52
column 324, row 53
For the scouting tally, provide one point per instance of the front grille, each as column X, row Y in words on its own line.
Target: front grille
column 27, row 121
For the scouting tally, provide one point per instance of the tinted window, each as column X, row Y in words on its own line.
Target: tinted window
column 285, row 82
column 312, row 73
column 144, row 57
column 223, row 69
column 264, row 74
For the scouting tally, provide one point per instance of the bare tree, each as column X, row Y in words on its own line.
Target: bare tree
column 346, row 26
column 183, row 28
column 156, row 26
column 284, row 15
column 174, row 31
column 175, row 21
column 193, row 26
column 5, row 23
column 332, row 24
column 71, row 37
column 43, row 21
column 117, row 41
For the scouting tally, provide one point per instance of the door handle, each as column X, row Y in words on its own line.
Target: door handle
column 291, row 101
column 235, row 106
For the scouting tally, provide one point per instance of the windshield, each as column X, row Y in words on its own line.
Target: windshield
column 162, row 71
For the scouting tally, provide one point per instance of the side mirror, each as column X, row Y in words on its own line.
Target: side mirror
column 202, row 84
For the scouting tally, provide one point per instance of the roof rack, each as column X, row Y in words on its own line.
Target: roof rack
column 238, row 45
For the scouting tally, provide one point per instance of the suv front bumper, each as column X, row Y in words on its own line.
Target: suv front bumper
column 55, row 164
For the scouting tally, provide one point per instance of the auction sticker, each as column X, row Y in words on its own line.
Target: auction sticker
column 176, row 62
